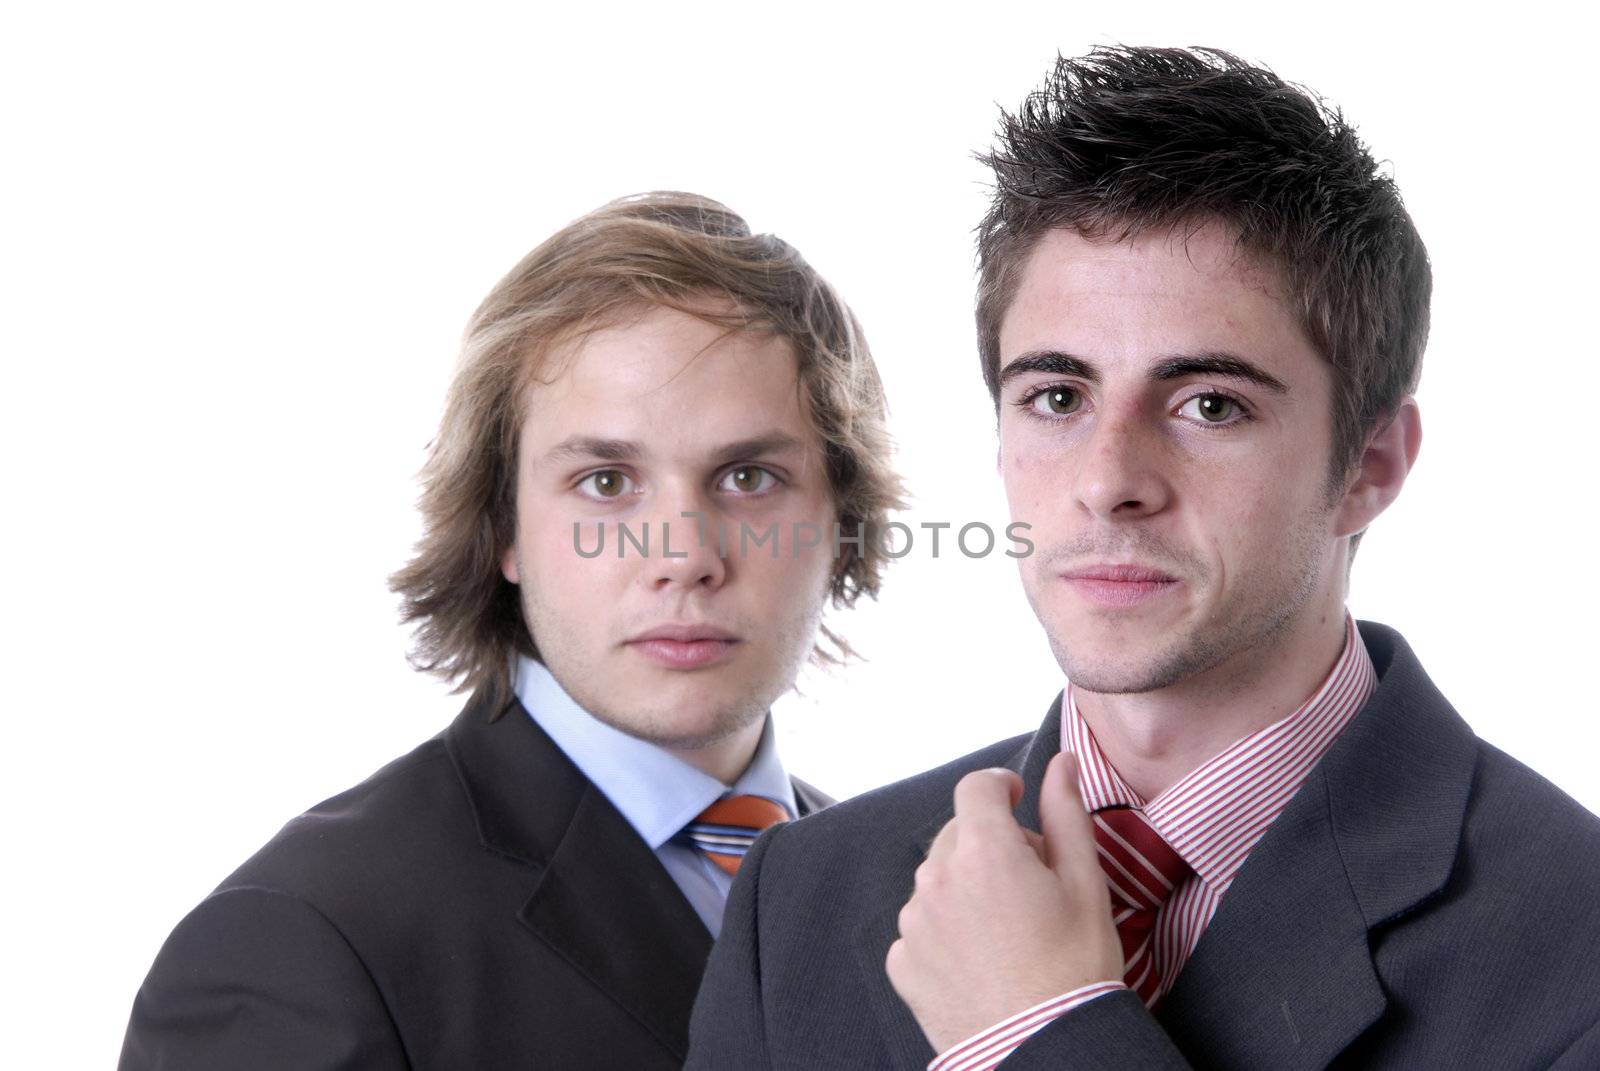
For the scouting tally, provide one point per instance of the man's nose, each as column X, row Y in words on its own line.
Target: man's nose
column 686, row 550
column 1120, row 468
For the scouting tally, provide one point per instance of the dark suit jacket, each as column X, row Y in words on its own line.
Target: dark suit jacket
column 1423, row 902
column 476, row 904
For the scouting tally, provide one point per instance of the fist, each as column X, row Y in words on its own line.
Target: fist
column 1003, row 918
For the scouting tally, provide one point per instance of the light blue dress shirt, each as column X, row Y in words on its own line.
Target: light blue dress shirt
column 657, row 792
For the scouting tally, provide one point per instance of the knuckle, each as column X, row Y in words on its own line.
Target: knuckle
column 894, row 960
column 914, row 922
column 981, row 778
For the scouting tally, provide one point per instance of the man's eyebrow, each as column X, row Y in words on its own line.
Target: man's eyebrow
column 1052, row 362
column 759, row 446
column 589, row 448
column 1226, row 365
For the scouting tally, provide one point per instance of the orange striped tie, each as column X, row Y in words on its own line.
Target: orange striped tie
column 726, row 829
column 1143, row 871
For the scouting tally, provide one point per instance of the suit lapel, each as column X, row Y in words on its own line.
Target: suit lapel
column 606, row 905
column 598, row 896
column 904, row 1040
column 1283, row 976
column 1031, row 762
column 808, row 798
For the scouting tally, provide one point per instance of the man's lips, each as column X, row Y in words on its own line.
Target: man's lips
column 1118, row 586
column 1120, row 574
column 684, row 646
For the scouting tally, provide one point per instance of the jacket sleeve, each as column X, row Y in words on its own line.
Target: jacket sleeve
column 728, row 1028
column 256, row 978
column 1109, row 1033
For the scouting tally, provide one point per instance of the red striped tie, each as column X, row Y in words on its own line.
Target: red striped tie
column 1142, row 870
column 726, row 829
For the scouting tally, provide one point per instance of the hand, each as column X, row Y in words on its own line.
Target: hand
column 1004, row 918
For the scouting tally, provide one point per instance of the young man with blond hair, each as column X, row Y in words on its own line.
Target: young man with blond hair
column 539, row 885
column 1250, row 833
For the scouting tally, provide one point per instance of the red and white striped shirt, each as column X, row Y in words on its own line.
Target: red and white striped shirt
column 1212, row 817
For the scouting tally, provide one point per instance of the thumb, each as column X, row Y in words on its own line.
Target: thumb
column 1067, row 828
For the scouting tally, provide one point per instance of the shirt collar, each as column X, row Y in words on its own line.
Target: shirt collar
column 1217, row 812
column 657, row 792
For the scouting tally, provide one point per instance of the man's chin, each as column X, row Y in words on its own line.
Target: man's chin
column 690, row 726
column 1126, row 668
column 1110, row 684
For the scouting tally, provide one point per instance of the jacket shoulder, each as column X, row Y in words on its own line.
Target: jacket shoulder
column 884, row 815
column 409, row 817
column 1517, row 819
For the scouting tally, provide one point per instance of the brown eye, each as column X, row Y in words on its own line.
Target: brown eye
column 1212, row 408
column 608, row 483
column 1058, row 401
column 748, row 480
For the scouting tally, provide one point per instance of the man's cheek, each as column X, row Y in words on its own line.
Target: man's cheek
column 580, row 538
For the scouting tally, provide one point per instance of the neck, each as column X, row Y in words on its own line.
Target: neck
column 1154, row 738
column 725, row 759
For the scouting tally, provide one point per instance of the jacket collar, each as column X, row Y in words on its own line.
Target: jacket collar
column 1284, row 974
column 1398, row 782
column 598, row 896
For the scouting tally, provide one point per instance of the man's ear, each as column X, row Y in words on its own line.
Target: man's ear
column 1381, row 469
column 508, row 565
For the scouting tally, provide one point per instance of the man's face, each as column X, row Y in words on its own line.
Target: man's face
column 1165, row 427
column 661, row 416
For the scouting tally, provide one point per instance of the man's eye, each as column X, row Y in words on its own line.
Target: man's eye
column 748, row 480
column 1211, row 408
column 1057, row 401
column 608, row 483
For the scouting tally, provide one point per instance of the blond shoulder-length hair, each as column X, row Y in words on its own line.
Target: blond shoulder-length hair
column 660, row 249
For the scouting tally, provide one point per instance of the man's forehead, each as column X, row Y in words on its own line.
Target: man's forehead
column 669, row 384
column 1175, row 289
column 658, row 349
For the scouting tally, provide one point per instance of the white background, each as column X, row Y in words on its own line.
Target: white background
column 239, row 247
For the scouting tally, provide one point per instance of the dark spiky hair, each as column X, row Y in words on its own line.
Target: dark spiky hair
column 1128, row 140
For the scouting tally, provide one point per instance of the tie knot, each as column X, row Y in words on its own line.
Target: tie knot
column 726, row 829
column 1142, row 868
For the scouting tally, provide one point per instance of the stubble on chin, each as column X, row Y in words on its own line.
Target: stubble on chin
column 634, row 701
column 1133, row 672
column 691, row 730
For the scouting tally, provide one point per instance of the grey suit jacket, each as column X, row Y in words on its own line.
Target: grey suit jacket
column 478, row 904
column 1424, row 901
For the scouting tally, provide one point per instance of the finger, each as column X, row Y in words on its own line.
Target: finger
column 988, row 794
column 1068, row 830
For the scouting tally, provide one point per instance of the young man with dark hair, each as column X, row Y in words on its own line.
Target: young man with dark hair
column 1250, row 833
column 539, row 885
